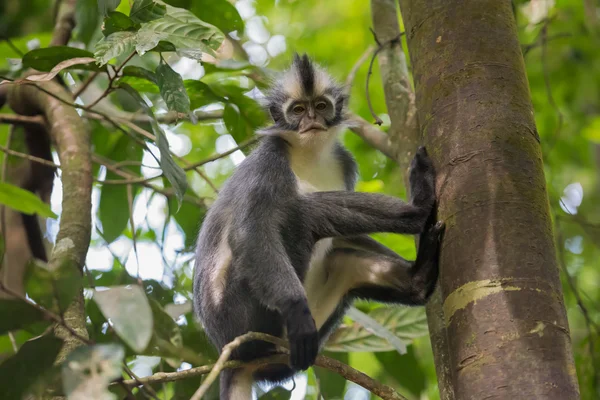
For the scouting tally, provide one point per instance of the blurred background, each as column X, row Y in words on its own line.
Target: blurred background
column 561, row 46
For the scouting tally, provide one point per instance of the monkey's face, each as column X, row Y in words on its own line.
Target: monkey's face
column 305, row 104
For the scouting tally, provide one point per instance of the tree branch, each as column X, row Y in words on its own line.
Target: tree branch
column 374, row 137
column 349, row 373
column 72, row 140
column 399, row 96
column 65, row 22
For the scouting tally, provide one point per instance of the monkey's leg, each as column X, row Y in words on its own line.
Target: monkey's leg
column 376, row 273
column 236, row 384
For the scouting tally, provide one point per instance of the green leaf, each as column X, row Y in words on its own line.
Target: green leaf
column 166, row 331
column 200, row 94
column 117, row 22
column 406, row 323
column 173, row 172
column 113, row 209
column 106, row 6
column 172, row 89
column 184, row 30
column 188, row 218
column 21, row 371
column 88, row 371
column 139, row 72
column 146, row 10
column 592, row 130
column 278, row 393
column 114, row 45
column 87, row 17
column 47, row 58
column 376, row 328
column 219, row 13
column 17, row 314
column 24, row 201
column 128, row 310
column 405, row 369
column 234, row 122
column 53, row 289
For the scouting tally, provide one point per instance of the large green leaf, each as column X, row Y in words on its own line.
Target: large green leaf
column 24, row 201
column 172, row 89
column 47, row 58
column 106, row 6
column 117, row 22
column 113, row 209
column 220, row 13
column 188, row 218
column 374, row 326
column 17, row 314
column 53, row 289
column 114, row 45
column 235, row 123
column 406, row 323
column 146, row 10
column 404, row 369
column 88, row 371
column 174, row 173
column 87, row 17
column 21, row 371
column 128, row 310
column 139, row 72
column 184, row 30
column 200, row 94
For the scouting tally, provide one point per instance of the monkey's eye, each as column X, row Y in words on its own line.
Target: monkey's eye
column 298, row 109
column 321, row 106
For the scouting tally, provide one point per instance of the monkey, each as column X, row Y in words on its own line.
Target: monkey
column 285, row 249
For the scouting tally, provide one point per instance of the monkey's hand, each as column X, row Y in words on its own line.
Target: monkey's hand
column 422, row 179
column 303, row 336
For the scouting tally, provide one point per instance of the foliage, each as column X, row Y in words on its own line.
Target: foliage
column 157, row 173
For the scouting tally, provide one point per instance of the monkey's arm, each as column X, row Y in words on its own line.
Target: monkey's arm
column 352, row 213
column 345, row 213
column 273, row 282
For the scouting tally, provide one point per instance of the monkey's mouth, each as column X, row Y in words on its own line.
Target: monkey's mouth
column 313, row 126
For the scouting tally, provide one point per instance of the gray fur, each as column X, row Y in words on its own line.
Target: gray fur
column 255, row 245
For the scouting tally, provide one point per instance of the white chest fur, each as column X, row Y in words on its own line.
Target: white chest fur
column 317, row 174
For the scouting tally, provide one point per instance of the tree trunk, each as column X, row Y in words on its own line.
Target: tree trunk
column 506, row 324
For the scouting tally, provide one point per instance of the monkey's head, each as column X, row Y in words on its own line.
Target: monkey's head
column 306, row 104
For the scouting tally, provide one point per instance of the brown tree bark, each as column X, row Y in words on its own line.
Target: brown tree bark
column 507, row 330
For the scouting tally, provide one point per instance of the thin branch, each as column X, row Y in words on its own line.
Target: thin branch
column 390, row 42
column 12, row 45
column 131, row 179
column 28, row 157
column 352, row 74
column 372, row 135
column 546, row 73
column 582, row 307
column 111, row 80
column 3, row 212
column 21, row 119
column 85, row 84
column 349, row 373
